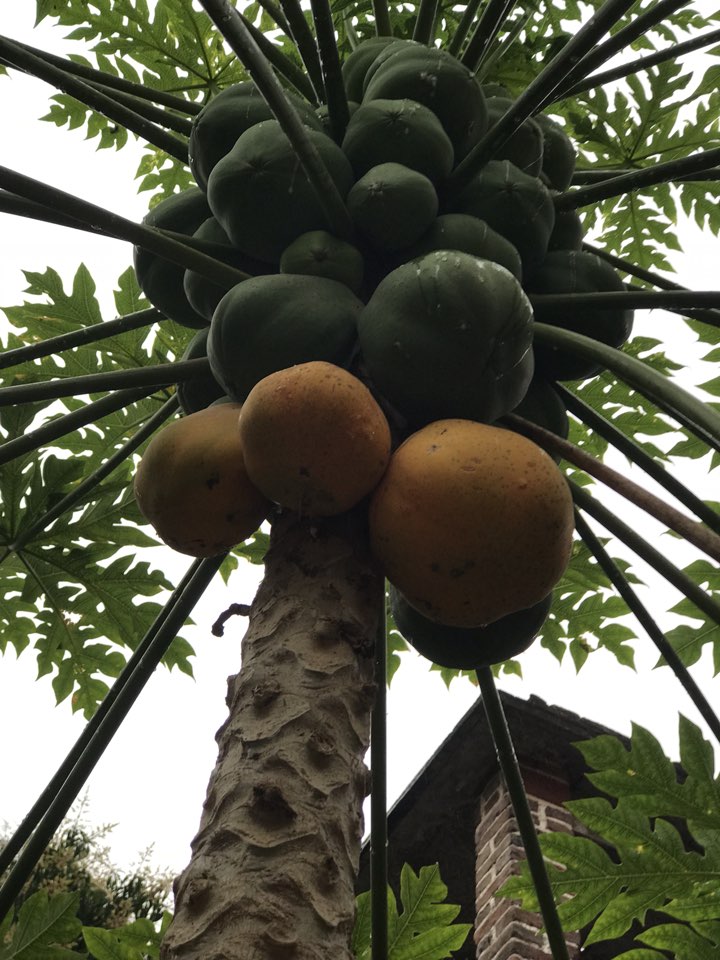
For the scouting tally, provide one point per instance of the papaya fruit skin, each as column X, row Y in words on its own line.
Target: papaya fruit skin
column 559, row 156
column 525, row 146
column 397, row 44
column 356, row 65
column 471, row 522
column 448, row 335
column 398, row 131
column 570, row 271
column 225, row 117
column 268, row 323
column 519, row 207
column 160, row 280
column 320, row 254
column 436, row 79
column 460, row 231
column 467, row 648
column 192, row 486
column 260, row 195
column 543, row 406
column 199, row 392
column 567, row 233
column 202, row 294
column 392, row 206
column 314, row 439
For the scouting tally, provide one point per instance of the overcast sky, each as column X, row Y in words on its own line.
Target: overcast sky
column 152, row 780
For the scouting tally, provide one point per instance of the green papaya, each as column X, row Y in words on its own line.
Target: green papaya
column 519, row 207
column 203, row 295
column 398, row 131
column 392, row 206
column 543, row 406
column 559, row 156
column 463, row 648
column 199, row 392
column 567, row 232
column 269, row 323
column 384, row 55
column 436, row 79
column 525, row 146
column 323, row 115
column 460, row 231
column 448, row 335
column 570, row 271
column 356, row 64
column 160, row 280
column 261, row 196
column 495, row 90
column 320, row 254
column 230, row 113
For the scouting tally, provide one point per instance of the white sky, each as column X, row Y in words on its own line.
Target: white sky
column 151, row 781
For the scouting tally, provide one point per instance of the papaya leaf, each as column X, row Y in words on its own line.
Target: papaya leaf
column 685, row 943
column 73, row 590
column 138, row 940
column 424, row 928
column 42, row 925
column 639, row 861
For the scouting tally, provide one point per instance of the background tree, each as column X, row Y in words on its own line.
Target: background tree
column 78, row 609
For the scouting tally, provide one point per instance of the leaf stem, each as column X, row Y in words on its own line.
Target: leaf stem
column 645, row 177
column 94, row 98
column 90, row 334
column 582, row 177
column 538, row 91
column 110, row 224
column 282, row 63
column 305, row 43
column 709, row 316
column 381, row 12
column 164, row 118
column 424, row 29
column 54, row 429
column 697, row 416
column 622, row 39
column 463, row 28
column 378, row 797
column 512, row 775
column 693, row 532
column 156, row 375
column 48, row 812
column 228, row 21
column 634, row 452
column 632, row 539
column 491, row 19
column 647, row 622
column 276, row 12
column 673, row 52
column 634, row 299
column 117, row 83
column 80, row 492
column 338, row 112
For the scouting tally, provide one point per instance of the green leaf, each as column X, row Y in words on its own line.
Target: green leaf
column 42, row 923
column 135, row 941
column 650, row 867
column 425, row 927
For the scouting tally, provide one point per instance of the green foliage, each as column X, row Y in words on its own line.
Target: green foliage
column 75, row 590
column 641, row 860
column 425, row 925
column 139, row 940
column 44, row 925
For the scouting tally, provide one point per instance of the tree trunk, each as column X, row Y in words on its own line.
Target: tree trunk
column 274, row 862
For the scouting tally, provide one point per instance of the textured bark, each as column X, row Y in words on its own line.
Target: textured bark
column 274, row 862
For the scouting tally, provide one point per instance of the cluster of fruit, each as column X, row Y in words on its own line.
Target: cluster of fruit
column 427, row 306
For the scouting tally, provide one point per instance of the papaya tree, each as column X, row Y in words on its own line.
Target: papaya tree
column 443, row 217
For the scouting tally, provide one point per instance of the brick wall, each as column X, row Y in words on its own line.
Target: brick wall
column 503, row 931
